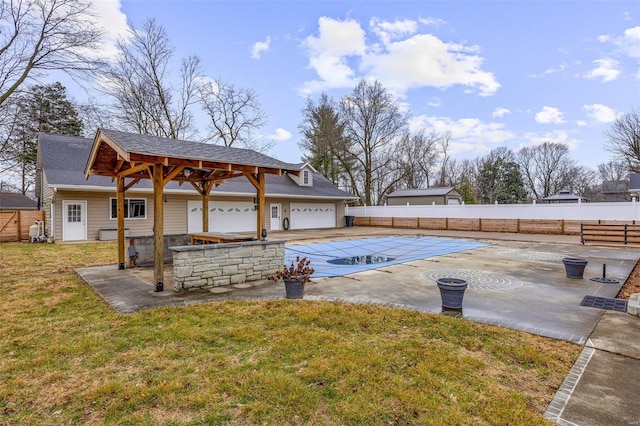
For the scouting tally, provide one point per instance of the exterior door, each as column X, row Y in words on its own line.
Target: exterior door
column 274, row 223
column 74, row 220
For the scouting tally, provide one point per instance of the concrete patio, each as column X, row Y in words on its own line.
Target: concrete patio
column 515, row 281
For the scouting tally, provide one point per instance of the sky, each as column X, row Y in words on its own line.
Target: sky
column 493, row 73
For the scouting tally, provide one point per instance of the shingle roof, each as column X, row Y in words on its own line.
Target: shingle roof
column 157, row 146
column 564, row 195
column 614, row 186
column 64, row 159
column 11, row 200
column 421, row 192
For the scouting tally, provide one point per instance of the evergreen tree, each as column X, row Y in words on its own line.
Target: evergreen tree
column 500, row 181
column 323, row 136
column 43, row 108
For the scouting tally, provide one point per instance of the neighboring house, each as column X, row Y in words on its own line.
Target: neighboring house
column 564, row 196
column 15, row 201
column 615, row 190
column 422, row 197
column 78, row 209
column 634, row 185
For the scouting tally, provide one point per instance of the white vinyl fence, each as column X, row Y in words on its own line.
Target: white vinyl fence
column 623, row 211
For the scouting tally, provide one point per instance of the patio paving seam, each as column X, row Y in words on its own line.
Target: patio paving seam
column 568, row 386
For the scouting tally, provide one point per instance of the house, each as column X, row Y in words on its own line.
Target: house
column 422, row 197
column 16, row 201
column 564, row 196
column 615, row 190
column 78, row 209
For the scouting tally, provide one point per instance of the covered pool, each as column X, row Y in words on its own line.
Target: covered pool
column 339, row 258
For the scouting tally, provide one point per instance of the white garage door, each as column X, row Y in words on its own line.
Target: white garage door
column 224, row 216
column 313, row 215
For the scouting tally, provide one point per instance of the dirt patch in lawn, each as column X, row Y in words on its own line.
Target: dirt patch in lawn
column 632, row 285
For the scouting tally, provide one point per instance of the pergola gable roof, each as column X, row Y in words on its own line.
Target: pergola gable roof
column 112, row 149
column 124, row 155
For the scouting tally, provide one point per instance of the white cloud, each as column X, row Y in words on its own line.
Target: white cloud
column 425, row 60
column 388, row 31
column 581, row 123
column 557, row 136
column 600, row 113
column 468, row 134
column 328, row 53
column 549, row 115
column 500, row 112
column 436, row 22
column 629, row 43
column 626, row 45
column 563, row 66
column 259, row 47
column 280, row 135
column 401, row 61
column 435, row 102
column 110, row 18
column 607, row 70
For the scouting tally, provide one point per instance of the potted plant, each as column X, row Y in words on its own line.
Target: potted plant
column 295, row 276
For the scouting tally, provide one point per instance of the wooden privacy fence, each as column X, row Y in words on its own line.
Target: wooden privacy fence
column 610, row 233
column 14, row 224
column 524, row 226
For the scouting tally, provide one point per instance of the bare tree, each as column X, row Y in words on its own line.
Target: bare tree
column 624, row 139
column 235, row 114
column 614, row 171
column 374, row 123
column 417, row 157
column 585, row 183
column 546, row 168
column 464, row 176
column 41, row 35
column 140, row 82
column 445, row 156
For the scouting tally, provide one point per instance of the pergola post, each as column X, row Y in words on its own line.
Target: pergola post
column 260, row 191
column 206, row 190
column 120, row 218
column 158, row 226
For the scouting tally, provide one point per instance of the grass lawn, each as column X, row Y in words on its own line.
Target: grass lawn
column 67, row 358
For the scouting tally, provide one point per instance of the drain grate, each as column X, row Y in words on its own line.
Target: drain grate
column 605, row 303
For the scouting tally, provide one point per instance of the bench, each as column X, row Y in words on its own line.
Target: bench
column 218, row 237
column 610, row 233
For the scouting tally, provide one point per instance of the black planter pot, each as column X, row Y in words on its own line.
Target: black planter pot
column 451, row 292
column 574, row 267
column 294, row 288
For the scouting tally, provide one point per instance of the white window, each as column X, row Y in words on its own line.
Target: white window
column 305, row 177
column 134, row 208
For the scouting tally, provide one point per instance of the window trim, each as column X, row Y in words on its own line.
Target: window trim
column 113, row 214
column 306, row 178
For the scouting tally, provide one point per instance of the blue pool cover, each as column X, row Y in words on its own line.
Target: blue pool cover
column 351, row 256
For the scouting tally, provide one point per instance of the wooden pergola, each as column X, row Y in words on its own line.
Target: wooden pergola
column 130, row 158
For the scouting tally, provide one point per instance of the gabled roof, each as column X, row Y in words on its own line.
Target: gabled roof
column 614, row 186
column 429, row 192
column 15, row 201
column 136, row 147
column 64, row 159
column 564, row 195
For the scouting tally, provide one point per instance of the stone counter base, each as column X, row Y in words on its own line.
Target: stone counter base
column 212, row 265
